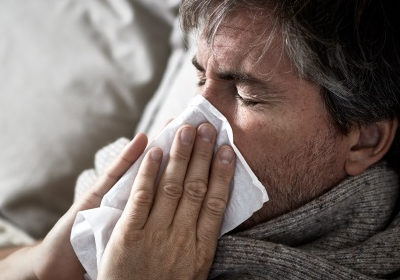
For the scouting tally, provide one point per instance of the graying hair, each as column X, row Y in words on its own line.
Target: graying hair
column 349, row 48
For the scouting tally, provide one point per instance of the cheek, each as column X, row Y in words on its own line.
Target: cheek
column 265, row 135
column 259, row 137
column 263, row 138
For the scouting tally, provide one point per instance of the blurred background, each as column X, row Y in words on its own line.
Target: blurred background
column 75, row 75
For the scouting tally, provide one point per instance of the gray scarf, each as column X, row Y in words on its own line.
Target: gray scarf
column 351, row 232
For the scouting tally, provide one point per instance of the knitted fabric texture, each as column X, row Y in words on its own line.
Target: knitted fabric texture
column 350, row 232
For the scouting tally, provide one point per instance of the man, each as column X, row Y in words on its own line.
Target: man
column 317, row 100
column 311, row 90
column 314, row 87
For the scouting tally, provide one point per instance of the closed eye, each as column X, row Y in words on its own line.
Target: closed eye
column 201, row 82
column 247, row 102
column 234, row 78
column 200, row 72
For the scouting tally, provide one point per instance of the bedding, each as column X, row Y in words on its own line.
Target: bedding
column 11, row 236
column 74, row 76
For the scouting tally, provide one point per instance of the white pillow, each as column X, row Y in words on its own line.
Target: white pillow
column 178, row 87
column 74, row 75
column 10, row 236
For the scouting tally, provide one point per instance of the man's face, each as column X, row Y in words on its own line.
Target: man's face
column 279, row 120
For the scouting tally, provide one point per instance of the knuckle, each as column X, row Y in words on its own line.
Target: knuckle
column 223, row 176
column 205, row 258
column 180, row 155
column 125, row 160
column 204, row 154
column 181, row 240
column 147, row 174
column 158, row 237
column 129, row 238
column 183, row 233
column 109, row 174
column 143, row 198
column 196, row 189
column 207, row 238
column 216, row 206
column 93, row 195
column 172, row 190
column 125, row 236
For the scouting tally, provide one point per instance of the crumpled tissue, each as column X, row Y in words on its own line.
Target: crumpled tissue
column 92, row 228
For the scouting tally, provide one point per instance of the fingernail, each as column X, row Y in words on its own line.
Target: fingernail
column 206, row 133
column 227, row 156
column 156, row 154
column 187, row 135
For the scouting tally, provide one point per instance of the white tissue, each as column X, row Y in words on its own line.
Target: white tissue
column 92, row 228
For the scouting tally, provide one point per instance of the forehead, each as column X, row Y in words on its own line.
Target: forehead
column 249, row 40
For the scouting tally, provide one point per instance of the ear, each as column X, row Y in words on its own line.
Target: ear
column 368, row 144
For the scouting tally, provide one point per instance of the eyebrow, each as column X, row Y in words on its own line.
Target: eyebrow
column 237, row 76
column 197, row 65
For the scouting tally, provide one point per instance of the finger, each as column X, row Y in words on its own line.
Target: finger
column 213, row 209
column 121, row 164
column 171, row 184
column 140, row 199
column 196, row 180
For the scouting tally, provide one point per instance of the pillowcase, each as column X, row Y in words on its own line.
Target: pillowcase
column 177, row 89
column 10, row 236
column 74, row 76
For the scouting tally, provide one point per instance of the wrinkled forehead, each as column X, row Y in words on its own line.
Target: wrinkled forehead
column 247, row 38
column 251, row 22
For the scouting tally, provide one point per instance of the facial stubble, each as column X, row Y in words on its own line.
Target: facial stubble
column 299, row 176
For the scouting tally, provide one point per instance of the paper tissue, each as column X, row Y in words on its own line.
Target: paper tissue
column 92, row 228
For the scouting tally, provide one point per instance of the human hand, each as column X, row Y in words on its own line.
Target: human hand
column 54, row 257
column 172, row 232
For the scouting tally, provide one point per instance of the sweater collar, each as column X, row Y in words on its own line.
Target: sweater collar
column 365, row 202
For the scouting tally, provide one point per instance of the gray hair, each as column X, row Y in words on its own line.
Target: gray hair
column 349, row 48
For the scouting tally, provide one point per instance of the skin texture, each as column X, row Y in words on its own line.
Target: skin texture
column 282, row 126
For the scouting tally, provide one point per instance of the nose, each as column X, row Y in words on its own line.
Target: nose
column 219, row 100
column 207, row 94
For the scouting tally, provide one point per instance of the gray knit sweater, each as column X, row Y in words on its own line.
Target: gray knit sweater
column 351, row 232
